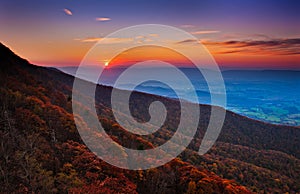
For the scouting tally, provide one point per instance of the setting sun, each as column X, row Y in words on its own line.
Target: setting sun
column 106, row 64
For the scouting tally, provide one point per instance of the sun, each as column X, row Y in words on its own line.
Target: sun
column 106, row 64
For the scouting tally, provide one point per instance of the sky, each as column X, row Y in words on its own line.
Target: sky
column 239, row 34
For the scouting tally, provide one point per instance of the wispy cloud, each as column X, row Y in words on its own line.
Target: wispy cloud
column 105, row 40
column 103, row 19
column 112, row 40
column 187, row 41
column 153, row 35
column 290, row 46
column 187, row 26
column 242, row 36
column 88, row 39
column 205, row 32
column 68, row 12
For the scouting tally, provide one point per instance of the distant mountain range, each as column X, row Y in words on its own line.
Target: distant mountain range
column 268, row 95
column 42, row 152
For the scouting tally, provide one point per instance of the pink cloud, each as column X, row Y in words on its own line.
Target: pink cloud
column 68, row 12
column 103, row 19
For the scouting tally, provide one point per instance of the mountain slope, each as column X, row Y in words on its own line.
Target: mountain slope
column 41, row 150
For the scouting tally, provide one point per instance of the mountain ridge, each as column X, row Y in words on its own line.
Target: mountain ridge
column 40, row 97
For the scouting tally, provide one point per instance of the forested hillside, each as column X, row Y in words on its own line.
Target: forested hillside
column 42, row 152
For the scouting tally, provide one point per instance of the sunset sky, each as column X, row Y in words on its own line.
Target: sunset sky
column 239, row 34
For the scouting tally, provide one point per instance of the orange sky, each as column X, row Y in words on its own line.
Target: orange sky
column 263, row 34
column 146, row 53
column 72, row 52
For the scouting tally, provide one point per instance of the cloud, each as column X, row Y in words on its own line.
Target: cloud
column 105, row 40
column 89, row 39
column 68, row 12
column 268, row 43
column 187, row 41
column 187, row 26
column 205, row 32
column 243, row 36
column 231, row 51
column 289, row 46
column 153, row 35
column 103, row 19
column 111, row 40
column 146, row 38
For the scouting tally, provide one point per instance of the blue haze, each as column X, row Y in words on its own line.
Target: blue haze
column 268, row 95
